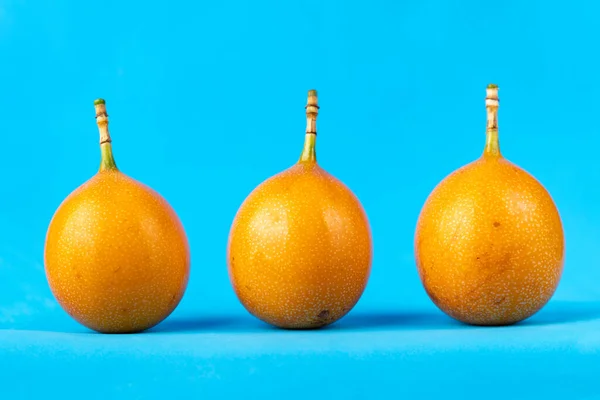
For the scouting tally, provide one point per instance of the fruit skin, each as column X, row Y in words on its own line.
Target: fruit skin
column 300, row 250
column 117, row 257
column 489, row 244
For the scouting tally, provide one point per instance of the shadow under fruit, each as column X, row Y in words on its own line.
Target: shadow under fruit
column 300, row 251
column 489, row 242
column 116, row 256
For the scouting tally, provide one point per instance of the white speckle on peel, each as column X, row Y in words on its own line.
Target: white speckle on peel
column 300, row 249
column 490, row 244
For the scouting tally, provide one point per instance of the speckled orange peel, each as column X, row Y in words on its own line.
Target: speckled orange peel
column 300, row 250
column 117, row 257
column 489, row 241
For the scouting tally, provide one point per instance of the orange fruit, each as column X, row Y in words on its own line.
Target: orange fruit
column 299, row 251
column 489, row 241
column 116, row 255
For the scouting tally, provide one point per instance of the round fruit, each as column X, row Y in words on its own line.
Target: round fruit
column 117, row 257
column 489, row 241
column 300, row 249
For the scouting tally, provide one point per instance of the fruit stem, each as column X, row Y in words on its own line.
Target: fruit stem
column 107, row 161
column 309, row 153
column 492, row 144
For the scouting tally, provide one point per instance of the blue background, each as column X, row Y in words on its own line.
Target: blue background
column 206, row 101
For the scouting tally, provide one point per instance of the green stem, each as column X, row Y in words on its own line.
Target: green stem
column 492, row 144
column 107, row 161
column 309, row 153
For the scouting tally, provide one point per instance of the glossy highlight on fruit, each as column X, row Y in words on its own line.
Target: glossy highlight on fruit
column 299, row 251
column 116, row 255
column 489, row 242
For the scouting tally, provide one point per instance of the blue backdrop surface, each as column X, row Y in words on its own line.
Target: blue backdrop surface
column 401, row 87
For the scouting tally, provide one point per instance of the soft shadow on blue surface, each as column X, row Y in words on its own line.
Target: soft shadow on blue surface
column 565, row 312
column 402, row 320
column 419, row 318
column 199, row 324
column 359, row 321
column 558, row 312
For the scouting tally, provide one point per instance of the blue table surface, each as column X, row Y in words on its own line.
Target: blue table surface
column 410, row 353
